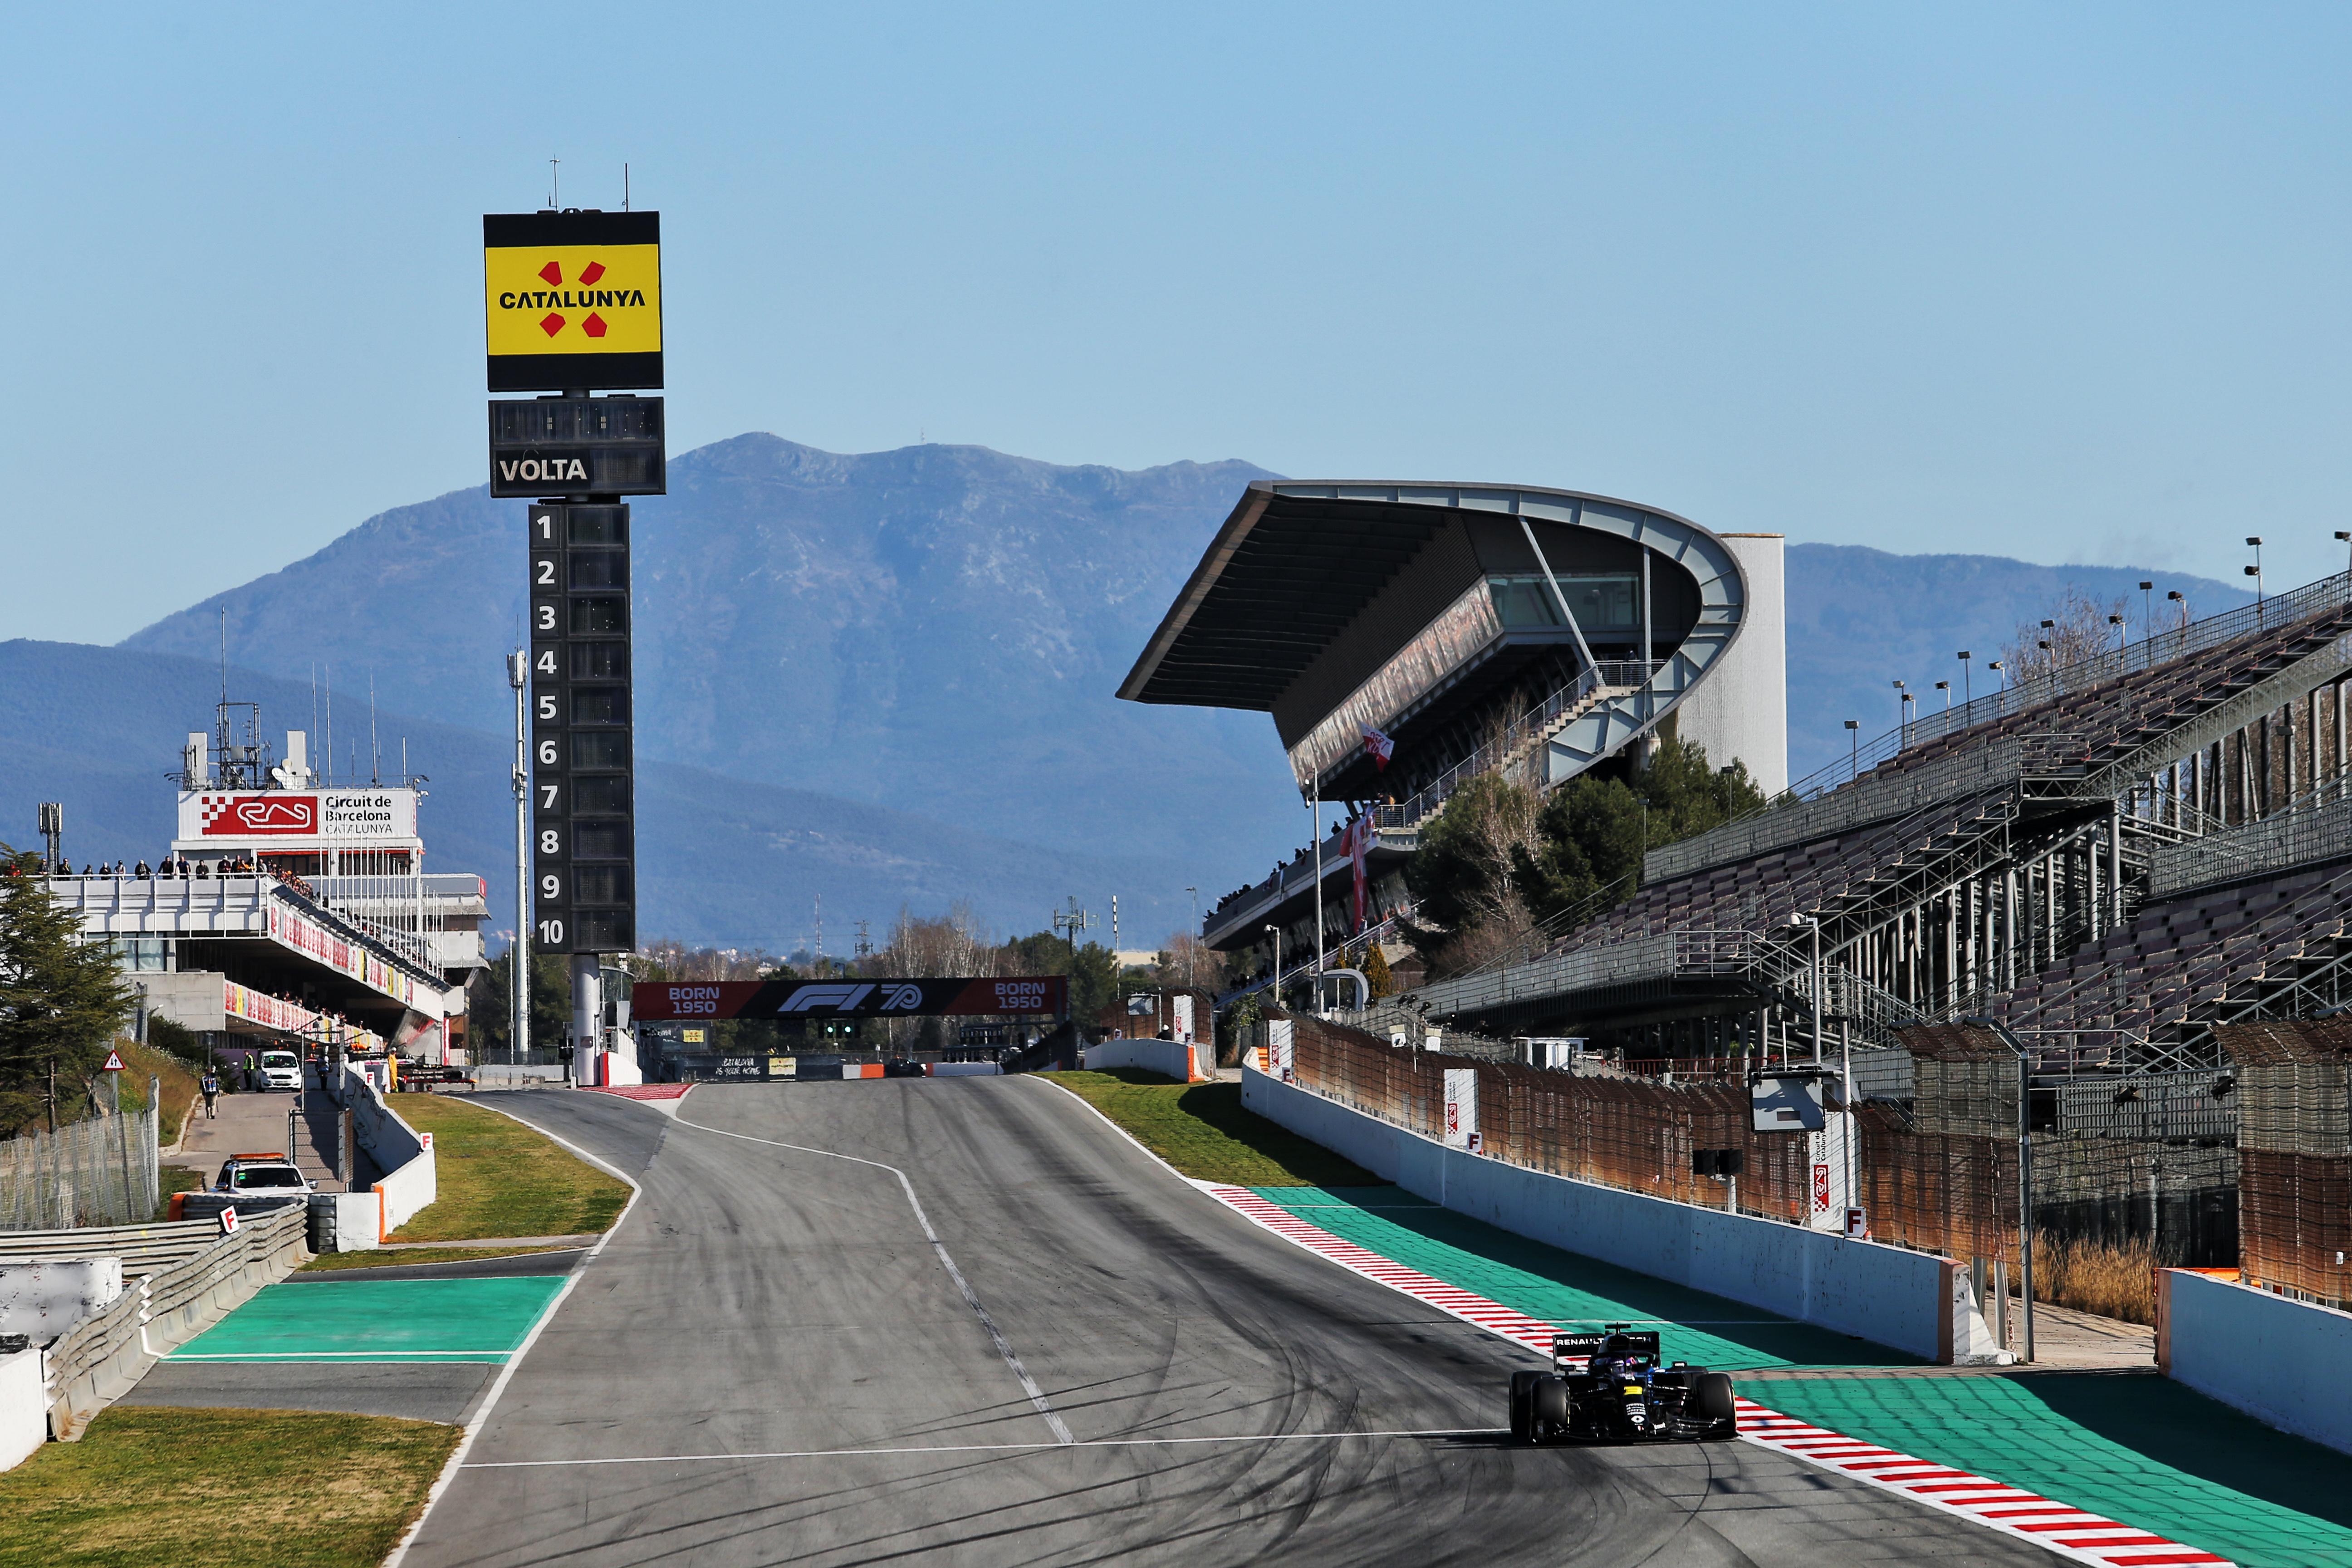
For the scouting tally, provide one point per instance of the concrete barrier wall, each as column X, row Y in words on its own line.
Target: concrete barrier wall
column 1910, row 1301
column 1170, row 1059
column 410, row 1183
column 45, row 1297
column 962, row 1070
column 24, row 1408
column 2281, row 1362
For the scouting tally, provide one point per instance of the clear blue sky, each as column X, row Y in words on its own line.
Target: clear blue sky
column 2065, row 283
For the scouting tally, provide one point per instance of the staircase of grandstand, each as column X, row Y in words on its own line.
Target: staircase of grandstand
column 1521, row 739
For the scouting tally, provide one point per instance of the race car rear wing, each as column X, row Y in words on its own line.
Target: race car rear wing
column 1584, row 1347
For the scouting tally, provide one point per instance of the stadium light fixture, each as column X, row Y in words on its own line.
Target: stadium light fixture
column 1946, row 688
column 2123, row 635
column 2344, row 536
column 2182, row 600
column 2000, row 666
column 1968, row 686
column 1853, row 747
column 2147, row 610
column 2256, row 572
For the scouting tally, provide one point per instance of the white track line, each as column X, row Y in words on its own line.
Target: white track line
column 457, row 1460
column 1004, row 1345
column 2023, row 1515
column 986, row 1448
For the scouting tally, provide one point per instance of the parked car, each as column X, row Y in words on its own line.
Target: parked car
column 282, row 1070
column 269, row 1175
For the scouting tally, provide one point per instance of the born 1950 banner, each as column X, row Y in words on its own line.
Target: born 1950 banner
column 891, row 998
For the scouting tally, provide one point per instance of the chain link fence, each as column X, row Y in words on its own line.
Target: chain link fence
column 99, row 1171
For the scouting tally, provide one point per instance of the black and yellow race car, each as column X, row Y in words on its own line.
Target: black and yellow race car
column 1609, row 1387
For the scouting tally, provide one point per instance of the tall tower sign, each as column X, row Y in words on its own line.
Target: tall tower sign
column 572, row 302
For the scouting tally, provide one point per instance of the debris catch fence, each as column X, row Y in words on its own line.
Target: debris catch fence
column 103, row 1171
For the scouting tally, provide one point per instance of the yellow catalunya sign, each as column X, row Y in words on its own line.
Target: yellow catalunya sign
column 572, row 299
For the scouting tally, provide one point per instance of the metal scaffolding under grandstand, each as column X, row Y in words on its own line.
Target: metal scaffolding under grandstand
column 2111, row 859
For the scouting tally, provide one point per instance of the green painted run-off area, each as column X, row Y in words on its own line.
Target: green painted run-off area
column 2132, row 1447
column 380, row 1321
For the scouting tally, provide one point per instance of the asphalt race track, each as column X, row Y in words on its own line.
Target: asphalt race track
column 769, row 1363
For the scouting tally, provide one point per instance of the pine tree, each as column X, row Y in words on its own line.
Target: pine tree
column 62, row 998
column 1376, row 971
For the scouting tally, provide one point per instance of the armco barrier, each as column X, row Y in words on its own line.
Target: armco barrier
column 961, row 1069
column 399, row 1150
column 2282, row 1362
column 1912, row 1301
column 192, row 1277
column 1168, row 1058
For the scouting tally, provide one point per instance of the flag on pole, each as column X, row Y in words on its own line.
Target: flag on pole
column 1358, row 843
column 1378, row 747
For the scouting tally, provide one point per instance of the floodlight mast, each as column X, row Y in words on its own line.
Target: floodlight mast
column 2025, row 1168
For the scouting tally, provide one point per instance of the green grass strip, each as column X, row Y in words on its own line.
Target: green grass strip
column 1202, row 1130
column 221, row 1489
column 1571, row 1290
column 2144, row 1450
column 498, row 1177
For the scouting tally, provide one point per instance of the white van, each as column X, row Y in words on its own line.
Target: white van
column 282, row 1070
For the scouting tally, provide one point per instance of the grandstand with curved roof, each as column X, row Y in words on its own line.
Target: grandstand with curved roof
column 1479, row 628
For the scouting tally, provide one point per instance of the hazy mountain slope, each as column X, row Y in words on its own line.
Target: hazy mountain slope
column 720, row 860
column 1861, row 619
column 937, row 629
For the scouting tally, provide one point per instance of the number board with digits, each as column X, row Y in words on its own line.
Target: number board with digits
column 583, row 849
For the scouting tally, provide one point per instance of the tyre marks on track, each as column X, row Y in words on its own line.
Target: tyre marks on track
column 2047, row 1522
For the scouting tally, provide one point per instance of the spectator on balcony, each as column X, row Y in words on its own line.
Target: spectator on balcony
column 141, row 871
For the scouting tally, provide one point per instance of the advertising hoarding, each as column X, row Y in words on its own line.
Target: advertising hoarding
column 294, row 819
column 571, row 300
column 882, row 998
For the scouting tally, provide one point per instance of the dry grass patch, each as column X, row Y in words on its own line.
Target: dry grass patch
column 221, row 1489
column 2114, row 1281
column 499, row 1177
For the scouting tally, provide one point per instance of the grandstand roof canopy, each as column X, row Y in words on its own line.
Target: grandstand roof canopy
column 1298, row 562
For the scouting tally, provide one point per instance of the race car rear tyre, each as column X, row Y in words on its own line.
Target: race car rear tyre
column 1711, row 1401
column 1523, row 1406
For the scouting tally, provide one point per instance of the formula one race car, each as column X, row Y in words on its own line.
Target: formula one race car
column 1609, row 1387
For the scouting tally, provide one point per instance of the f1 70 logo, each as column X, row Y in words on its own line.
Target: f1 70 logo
column 848, row 996
column 841, row 999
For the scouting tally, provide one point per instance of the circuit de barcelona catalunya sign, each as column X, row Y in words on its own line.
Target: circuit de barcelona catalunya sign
column 891, row 998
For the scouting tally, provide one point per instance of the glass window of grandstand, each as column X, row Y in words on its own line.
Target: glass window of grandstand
column 1600, row 603
column 286, row 865
column 144, row 955
column 371, row 863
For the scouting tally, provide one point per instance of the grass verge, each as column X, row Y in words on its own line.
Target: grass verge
column 379, row 1259
column 221, row 1489
column 1202, row 1130
column 499, row 1177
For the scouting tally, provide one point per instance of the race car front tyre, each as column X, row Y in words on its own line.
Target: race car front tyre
column 1550, row 1404
column 1523, row 1406
column 1711, row 1401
